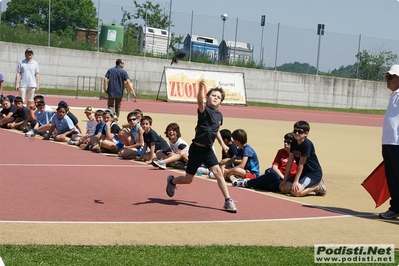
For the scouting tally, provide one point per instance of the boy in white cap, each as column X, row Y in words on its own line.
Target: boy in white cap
column 90, row 128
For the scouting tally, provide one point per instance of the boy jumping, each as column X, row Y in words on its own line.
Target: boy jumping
column 208, row 123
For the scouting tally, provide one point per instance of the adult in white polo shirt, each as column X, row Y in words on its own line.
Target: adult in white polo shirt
column 390, row 143
column 27, row 79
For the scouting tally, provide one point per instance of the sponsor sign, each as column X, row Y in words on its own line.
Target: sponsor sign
column 182, row 85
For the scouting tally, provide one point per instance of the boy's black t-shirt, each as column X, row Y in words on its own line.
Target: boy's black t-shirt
column 232, row 151
column 12, row 109
column 306, row 148
column 160, row 143
column 73, row 118
column 22, row 114
column 114, row 129
column 208, row 124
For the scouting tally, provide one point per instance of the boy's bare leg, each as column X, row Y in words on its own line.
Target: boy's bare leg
column 173, row 158
column 304, row 191
column 236, row 171
column 186, row 179
column 125, row 137
column 44, row 128
column 287, row 188
column 220, row 179
column 128, row 153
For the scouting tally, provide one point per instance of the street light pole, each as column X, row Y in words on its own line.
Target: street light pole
column 320, row 31
column 0, row 13
column 49, row 12
column 168, row 45
column 98, row 26
column 224, row 18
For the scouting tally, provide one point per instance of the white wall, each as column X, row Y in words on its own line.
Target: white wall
column 59, row 68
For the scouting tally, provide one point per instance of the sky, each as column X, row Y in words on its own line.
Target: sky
column 290, row 31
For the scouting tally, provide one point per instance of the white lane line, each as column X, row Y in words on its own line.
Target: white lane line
column 74, row 165
column 190, row 222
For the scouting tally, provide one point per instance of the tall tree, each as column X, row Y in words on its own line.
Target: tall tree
column 65, row 15
column 297, row 67
column 372, row 66
column 348, row 71
column 153, row 15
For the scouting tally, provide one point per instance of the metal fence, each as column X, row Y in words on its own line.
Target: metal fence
column 284, row 44
column 95, row 84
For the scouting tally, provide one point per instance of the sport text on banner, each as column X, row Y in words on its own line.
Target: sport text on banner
column 182, row 85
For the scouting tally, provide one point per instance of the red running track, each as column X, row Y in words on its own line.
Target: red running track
column 57, row 182
column 47, row 181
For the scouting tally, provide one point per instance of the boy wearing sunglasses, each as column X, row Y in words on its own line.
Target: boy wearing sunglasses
column 308, row 177
column 132, row 138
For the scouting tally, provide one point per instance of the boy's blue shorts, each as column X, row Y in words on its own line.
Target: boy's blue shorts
column 308, row 180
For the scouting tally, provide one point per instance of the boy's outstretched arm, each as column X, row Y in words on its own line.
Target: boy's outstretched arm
column 287, row 170
column 221, row 142
column 200, row 96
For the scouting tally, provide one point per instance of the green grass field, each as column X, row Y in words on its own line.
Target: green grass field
column 158, row 255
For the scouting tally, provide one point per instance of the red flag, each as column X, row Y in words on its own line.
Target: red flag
column 376, row 185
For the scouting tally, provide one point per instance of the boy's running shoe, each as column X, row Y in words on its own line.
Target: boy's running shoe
column 153, row 162
column 24, row 128
column 230, row 206
column 179, row 165
column 30, row 133
column 203, row 170
column 72, row 142
column 232, row 178
column 321, row 189
column 240, row 183
column 170, row 189
column 389, row 215
column 159, row 163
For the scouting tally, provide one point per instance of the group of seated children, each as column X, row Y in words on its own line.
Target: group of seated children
column 295, row 169
column 240, row 163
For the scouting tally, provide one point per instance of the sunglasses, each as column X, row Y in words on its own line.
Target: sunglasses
column 288, row 141
column 298, row 131
column 132, row 119
column 389, row 77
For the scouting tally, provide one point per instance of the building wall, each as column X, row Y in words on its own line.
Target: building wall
column 60, row 68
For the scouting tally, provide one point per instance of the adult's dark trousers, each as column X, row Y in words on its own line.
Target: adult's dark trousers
column 269, row 181
column 390, row 154
column 115, row 104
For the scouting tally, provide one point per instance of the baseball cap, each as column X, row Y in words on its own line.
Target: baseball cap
column 11, row 98
column 29, row 50
column 89, row 109
column 109, row 111
column 63, row 103
column 393, row 71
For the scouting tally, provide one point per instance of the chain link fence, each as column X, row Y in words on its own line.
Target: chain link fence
column 284, row 44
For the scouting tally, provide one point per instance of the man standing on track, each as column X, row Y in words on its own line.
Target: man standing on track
column 114, row 85
column 390, row 143
column 27, row 79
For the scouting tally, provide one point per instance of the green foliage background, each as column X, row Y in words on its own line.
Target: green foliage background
column 26, row 21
